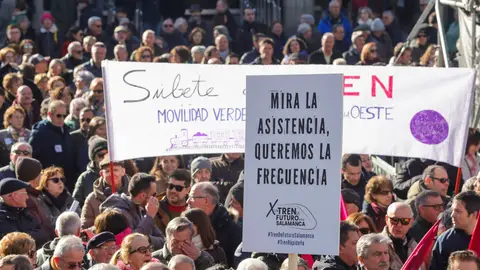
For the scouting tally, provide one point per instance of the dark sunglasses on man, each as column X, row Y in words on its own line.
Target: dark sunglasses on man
column 441, row 180
column 403, row 221
column 20, row 152
column 61, row 115
column 178, row 188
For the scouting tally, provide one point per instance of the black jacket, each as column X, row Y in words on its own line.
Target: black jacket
column 90, row 66
column 351, row 56
column 71, row 62
column 52, row 147
column 228, row 233
column 249, row 57
column 204, row 261
column 84, row 184
column 318, row 58
column 18, row 220
column 7, row 171
column 419, row 228
column 448, row 242
column 332, row 263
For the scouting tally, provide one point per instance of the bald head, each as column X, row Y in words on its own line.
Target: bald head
column 399, row 208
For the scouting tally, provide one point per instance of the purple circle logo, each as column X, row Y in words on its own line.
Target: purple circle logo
column 429, row 127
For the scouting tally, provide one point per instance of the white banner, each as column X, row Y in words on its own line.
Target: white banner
column 292, row 153
column 158, row 109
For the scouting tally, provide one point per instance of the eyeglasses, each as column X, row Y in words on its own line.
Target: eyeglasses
column 97, row 25
column 437, row 207
column 86, row 120
column 109, row 248
column 168, row 25
column 403, row 221
column 441, row 180
column 146, row 56
column 28, row 46
column 57, row 180
column 79, row 51
column 24, row 153
column 73, row 265
column 364, row 231
column 61, row 115
column 143, row 250
column 372, row 50
column 178, row 188
column 97, row 91
column 384, row 192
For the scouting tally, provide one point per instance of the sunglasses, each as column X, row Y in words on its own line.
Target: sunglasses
column 57, row 180
column 20, row 152
column 373, row 50
column 437, row 207
column 28, row 46
column 97, row 25
column 441, row 180
column 168, row 25
column 364, row 231
column 421, row 36
column 384, row 192
column 97, row 91
column 146, row 56
column 176, row 187
column 86, row 120
column 403, row 221
column 142, row 250
column 61, row 115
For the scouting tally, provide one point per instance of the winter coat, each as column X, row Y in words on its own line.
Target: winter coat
column 249, row 57
column 204, row 261
column 18, row 220
column 164, row 216
column 138, row 221
column 217, row 253
column 84, row 184
column 7, row 138
column 71, row 62
column 318, row 57
column 7, row 171
column 448, row 242
column 54, row 211
column 395, row 261
column 377, row 214
column 91, row 208
column 49, row 42
column 45, row 266
column 384, row 47
column 65, row 14
column 46, row 252
column 326, row 24
column 332, row 263
column 173, row 39
column 36, row 209
column 80, row 151
column 245, row 33
column 228, row 233
column 90, row 66
column 53, row 147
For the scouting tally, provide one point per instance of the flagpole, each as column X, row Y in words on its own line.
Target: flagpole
column 112, row 177
column 458, row 180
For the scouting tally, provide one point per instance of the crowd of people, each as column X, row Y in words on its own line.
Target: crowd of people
column 65, row 205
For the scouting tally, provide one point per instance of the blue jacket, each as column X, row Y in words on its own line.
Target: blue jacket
column 325, row 25
column 52, row 147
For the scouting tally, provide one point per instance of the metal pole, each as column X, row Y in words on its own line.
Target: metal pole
column 473, row 14
column 441, row 32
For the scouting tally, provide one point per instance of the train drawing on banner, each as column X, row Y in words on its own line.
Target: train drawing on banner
column 220, row 138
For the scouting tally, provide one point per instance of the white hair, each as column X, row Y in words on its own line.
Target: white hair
column 252, row 264
column 85, row 76
column 367, row 240
column 327, row 35
column 198, row 49
column 153, row 266
column 18, row 144
column 209, row 190
column 397, row 206
column 180, row 258
column 68, row 223
column 66, row 244
column 72, row 45
column 75, row 103
column 92, row 20
column 118, row 47
column 179, row 22
column 146, row 32
column 103, row 266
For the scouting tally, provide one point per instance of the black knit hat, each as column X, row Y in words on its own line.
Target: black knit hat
column 27, row 169
column 10, row 185
column 100, row 239
column 95, row 145
column 237, row 192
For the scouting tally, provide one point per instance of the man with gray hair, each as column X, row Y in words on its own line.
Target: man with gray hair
column 181, row 262
column 74, row 57
column 434, row 177
column 252, row 264
column 106, row 266
column 399, row 220
column 95, row 29
column 120, row 53
column 316, row 39
column 197, row 53
column 205, row 196
column 429, row 205
column 51, row 142
column 179, row 234
column 19, row 149
column 373, row 252
column 153, row 266
column 68, row 254
column 99, row 53
column 68, row 223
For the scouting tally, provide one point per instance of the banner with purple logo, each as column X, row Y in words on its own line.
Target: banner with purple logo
column 158, row 109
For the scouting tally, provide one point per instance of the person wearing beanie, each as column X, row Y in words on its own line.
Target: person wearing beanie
column 382, row 39
column 201, row 168
column 13, row 216
column 29, row 170
column 102, row 188
column 97, row 151
column 352, row 56
column 49, row 42
column 236, row 203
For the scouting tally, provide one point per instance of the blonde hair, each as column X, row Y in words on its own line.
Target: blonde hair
column 126, row 244
column 53, row 63
column 16, row 243
column 9, row 113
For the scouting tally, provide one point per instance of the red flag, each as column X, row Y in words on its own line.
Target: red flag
column 475, row 240
column 343, row 209
column 421, row 251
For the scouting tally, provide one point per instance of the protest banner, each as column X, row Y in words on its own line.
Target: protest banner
column 292, row 153
column 193, row 109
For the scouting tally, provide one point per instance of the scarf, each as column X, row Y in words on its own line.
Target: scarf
column 16, row 134
column 380, row 213
column 53, row 30
column 120, row 236
column 60, row 201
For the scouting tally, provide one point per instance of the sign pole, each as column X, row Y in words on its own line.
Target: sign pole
column 292, row 261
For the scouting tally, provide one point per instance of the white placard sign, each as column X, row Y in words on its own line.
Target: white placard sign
column 158, row 109
column 292, row 153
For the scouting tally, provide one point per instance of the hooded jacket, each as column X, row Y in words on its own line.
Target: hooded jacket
column 91, row 208
column 137, row 219
column 52, row 210
column 228, row 233
column 37, row 211
column 46, row 252
column 52, row 147
column 84, row 184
